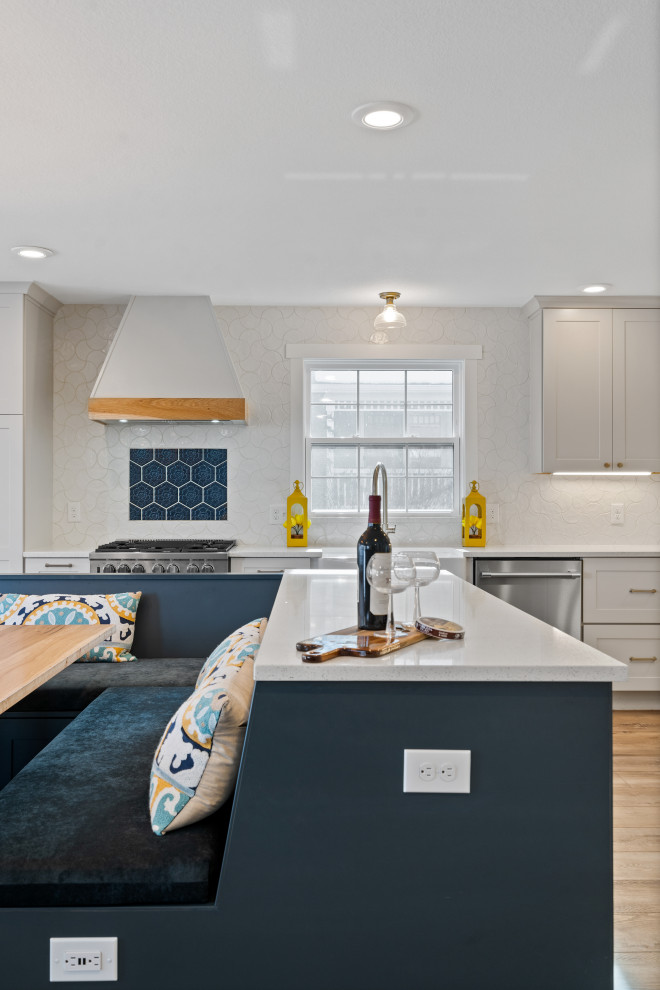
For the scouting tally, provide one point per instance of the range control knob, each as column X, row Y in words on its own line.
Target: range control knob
column 192, row 568
column 208, row 569
column 123, row 569
column 108, row 569
column 158, row 569
column 137, row 568
column 172, row 568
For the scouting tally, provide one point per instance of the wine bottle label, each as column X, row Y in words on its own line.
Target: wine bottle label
column 379, row 602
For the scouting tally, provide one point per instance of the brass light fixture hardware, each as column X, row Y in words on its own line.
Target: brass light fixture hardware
column 643, row 591
column 648, row 659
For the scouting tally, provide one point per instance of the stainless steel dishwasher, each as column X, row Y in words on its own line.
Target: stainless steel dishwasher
column 548, row 588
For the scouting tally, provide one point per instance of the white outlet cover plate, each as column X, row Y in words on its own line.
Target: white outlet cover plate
column 61, row 947
column 452, row 771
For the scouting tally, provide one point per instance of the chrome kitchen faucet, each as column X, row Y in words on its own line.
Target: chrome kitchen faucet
column 380, row 469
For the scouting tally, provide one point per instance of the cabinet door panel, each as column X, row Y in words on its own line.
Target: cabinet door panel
column 636, row 646
column 577, row 390
column 621, row 589
column 636, row 390
column 11, row 348
column 11, row 494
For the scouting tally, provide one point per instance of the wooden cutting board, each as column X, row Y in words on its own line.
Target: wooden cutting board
column 354, row 642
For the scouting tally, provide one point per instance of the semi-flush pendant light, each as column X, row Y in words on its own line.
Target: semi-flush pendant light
column 389, row 319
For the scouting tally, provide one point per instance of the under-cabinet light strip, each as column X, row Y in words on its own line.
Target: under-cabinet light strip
column 603, row 474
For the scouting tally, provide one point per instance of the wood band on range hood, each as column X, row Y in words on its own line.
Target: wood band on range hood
column 144, row 410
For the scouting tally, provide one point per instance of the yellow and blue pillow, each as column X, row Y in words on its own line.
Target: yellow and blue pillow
column 196, row 762
column 63, row 610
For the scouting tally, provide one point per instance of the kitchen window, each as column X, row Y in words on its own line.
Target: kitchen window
column 407, row 414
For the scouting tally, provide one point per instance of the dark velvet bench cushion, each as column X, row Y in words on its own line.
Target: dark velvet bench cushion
column 74, row 823
column 80, row 683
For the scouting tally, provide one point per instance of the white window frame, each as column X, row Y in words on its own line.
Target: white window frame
column 464, row 359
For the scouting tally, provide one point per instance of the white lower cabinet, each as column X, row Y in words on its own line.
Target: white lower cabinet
column 637, row 646
column 11, row 494
column 621, row 615
column 57, row 565
column 267, row 565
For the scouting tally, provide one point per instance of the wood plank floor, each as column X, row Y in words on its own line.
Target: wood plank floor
column 636, row 748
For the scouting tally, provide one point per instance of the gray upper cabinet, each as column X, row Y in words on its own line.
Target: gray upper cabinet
column 636, row 389
column 595, row 396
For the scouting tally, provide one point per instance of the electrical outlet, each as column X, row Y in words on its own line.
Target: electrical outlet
column 73, row 512
column 276, row 515
column 83, row 960
column 436, row 771
column 616, row 514
column 493, row 512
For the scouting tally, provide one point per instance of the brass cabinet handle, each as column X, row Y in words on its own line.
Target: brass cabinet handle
column 643, row 591
column 620, row 464
column 607, row 464
column 648, row 659
column 46, row 564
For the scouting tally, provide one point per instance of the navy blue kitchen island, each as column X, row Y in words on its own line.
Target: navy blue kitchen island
column 334, row 878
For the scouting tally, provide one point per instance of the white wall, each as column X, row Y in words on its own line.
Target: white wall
column 91, row 460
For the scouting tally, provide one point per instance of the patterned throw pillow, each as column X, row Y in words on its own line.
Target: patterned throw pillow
column 196, row 762
column 63, row 610
column 234, row 649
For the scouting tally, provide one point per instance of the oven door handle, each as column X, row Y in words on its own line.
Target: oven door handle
column 530, row 574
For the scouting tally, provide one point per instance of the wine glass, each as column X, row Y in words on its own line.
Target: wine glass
column 390, row 573
column 427, row 569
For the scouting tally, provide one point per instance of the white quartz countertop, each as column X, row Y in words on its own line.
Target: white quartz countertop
column 57, row 553
column 241, row 551
column 501, row 642
column 563, row 551
column 450, row 553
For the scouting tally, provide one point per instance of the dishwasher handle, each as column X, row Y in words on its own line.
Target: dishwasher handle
column 532, row 574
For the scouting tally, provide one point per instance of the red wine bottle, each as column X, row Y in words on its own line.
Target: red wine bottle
column 372, row 604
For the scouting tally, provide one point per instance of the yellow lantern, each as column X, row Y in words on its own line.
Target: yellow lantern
column 474, row 518
column 297, row 523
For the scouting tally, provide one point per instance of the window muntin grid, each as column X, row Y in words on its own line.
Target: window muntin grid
column 403, row 416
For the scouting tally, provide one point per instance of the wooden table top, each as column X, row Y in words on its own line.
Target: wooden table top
column 31, row 655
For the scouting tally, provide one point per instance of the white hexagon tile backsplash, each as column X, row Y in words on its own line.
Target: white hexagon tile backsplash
column 91, row 461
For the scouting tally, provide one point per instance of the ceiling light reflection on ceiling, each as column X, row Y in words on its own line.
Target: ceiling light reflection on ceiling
column 383, row 116
column 595, row 288
column 32, row 251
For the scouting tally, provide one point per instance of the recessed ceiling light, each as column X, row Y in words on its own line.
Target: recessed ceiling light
column 595, row 288
column 383, row 116
column 32, row 251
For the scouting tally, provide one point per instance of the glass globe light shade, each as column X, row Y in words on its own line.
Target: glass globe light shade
column 390, row 319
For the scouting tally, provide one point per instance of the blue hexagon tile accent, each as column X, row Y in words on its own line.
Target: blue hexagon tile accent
column 189, row 483
column 153, row 473
column 178, row 473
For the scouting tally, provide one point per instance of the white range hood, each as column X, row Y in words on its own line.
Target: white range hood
column 168, row 361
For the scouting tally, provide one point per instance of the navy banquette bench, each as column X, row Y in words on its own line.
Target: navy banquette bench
column 180, row 619
column 74, row 823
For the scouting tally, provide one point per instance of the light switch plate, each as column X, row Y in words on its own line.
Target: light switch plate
column 436, row 771
column 83, row 960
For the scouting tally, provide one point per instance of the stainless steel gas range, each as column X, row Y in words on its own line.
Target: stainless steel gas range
column 162, row 557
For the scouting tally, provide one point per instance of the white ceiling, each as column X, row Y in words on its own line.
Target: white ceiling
column 207, row 147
